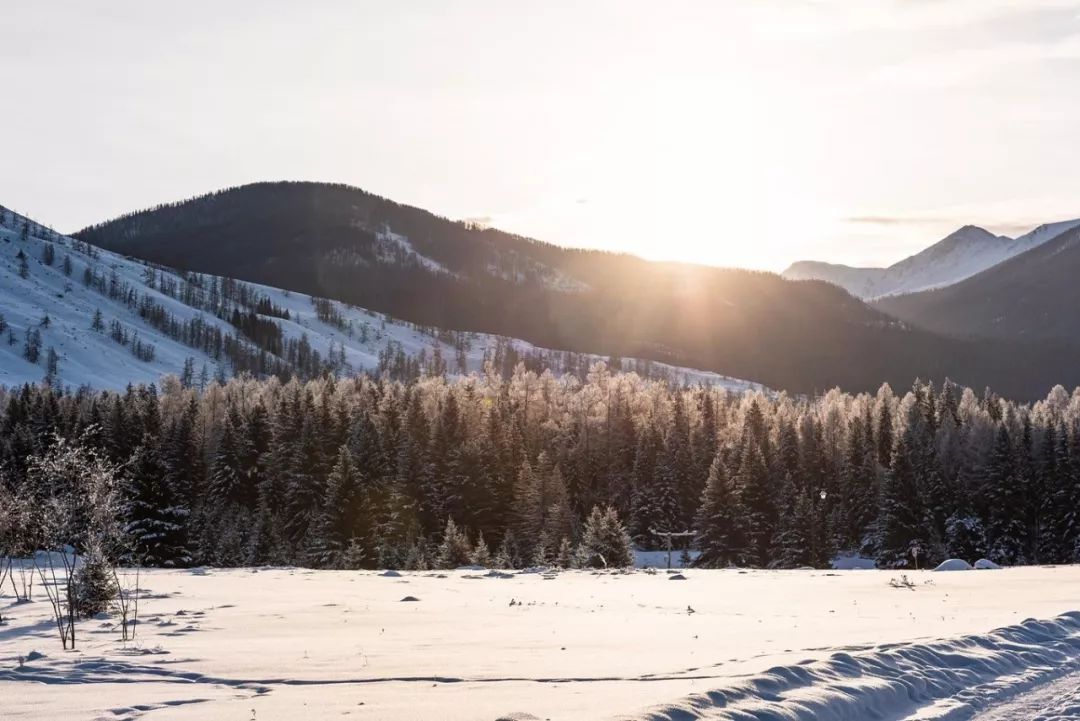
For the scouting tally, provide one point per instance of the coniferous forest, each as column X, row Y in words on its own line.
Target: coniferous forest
column 505, row 470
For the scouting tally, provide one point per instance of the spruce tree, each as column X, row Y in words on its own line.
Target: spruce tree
column 720, row 522
column 903, row 517
column 605, row 542
column 1006, row 529
column 454, row 550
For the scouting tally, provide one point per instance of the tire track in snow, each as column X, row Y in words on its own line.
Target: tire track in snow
column 948, row 680
column 1055, row 701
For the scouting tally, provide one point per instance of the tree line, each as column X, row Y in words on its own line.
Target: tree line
column 376, row 472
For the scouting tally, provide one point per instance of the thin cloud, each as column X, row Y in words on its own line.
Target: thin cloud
column 893, row 220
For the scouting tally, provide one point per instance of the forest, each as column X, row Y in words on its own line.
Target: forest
column 373, row 472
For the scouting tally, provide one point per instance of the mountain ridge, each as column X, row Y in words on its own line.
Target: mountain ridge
column 963, row 253
column 339, row 242
column 1026, row 297
column 109, row 321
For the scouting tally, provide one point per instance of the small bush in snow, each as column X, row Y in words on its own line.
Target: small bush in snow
column 95, row 586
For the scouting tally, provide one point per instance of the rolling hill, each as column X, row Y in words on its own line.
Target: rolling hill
column 344, row 243
column 110, row 320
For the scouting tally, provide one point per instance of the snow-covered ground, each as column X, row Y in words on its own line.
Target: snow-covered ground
column 94, row 358
column 285, row 644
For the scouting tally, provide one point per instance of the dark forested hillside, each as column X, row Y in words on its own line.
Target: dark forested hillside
column 1030, row 298
column 341, row 242
column 376, row 473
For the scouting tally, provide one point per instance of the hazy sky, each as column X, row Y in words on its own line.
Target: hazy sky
column 749, row 133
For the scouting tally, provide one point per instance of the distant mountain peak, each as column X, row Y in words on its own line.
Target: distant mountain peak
column 966, row 251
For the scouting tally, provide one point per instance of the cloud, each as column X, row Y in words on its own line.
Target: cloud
column 894, row 220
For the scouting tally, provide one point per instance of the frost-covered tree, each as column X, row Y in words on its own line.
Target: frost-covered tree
column 454, row 550
column 605, row 542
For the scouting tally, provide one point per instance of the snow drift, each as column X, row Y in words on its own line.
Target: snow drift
column 946, row 680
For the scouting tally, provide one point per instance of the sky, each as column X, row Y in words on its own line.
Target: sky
column 738, row 133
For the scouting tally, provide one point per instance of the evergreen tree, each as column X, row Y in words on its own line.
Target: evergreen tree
column 454, row 550
column 605, row 541
column 903, row 517
column 757, row 496
column 157, row 516
column 720, row 522
column 335, row 540
column 1006, row 529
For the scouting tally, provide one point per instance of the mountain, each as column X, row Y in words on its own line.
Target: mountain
column 341, row 242
column 1030, row 297
column 960, row 255
column 112, row 321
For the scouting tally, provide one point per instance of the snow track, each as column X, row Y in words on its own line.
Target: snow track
column 946, row 680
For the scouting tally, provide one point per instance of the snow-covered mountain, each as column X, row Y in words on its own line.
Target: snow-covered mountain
column 75, row 314
column 961, row 254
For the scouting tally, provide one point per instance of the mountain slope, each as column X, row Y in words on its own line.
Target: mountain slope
column 960, row 255
column 1029, row 297
column 341, row 242
column 156, row 321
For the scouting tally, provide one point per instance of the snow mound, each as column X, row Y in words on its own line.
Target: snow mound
column 985, row 564
column 954, row 564
column 949, row 679
column 390, row 574
column 851, row 563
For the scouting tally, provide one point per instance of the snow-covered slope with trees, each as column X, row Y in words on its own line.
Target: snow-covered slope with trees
column 962, row 254
column 75, row 315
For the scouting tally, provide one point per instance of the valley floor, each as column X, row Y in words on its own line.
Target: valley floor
column 283, row 644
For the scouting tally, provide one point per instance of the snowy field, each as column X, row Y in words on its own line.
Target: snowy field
column 286, row 644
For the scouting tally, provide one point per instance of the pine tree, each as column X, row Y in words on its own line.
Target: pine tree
column 481, row 555
column 757, row 497
column 454, row 550
column 720, row 521
column 902, row 521
column 1006, row 530
column 336, row 534
column 157, row 517
column 604, row 541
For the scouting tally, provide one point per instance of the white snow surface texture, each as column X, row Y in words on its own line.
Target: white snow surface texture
column 277, row 644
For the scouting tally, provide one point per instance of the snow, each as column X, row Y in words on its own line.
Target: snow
column 94, row 359
column 400, row 243
column 282, row 643
column 953, row 564
column 985, row 564
column 962, row 254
